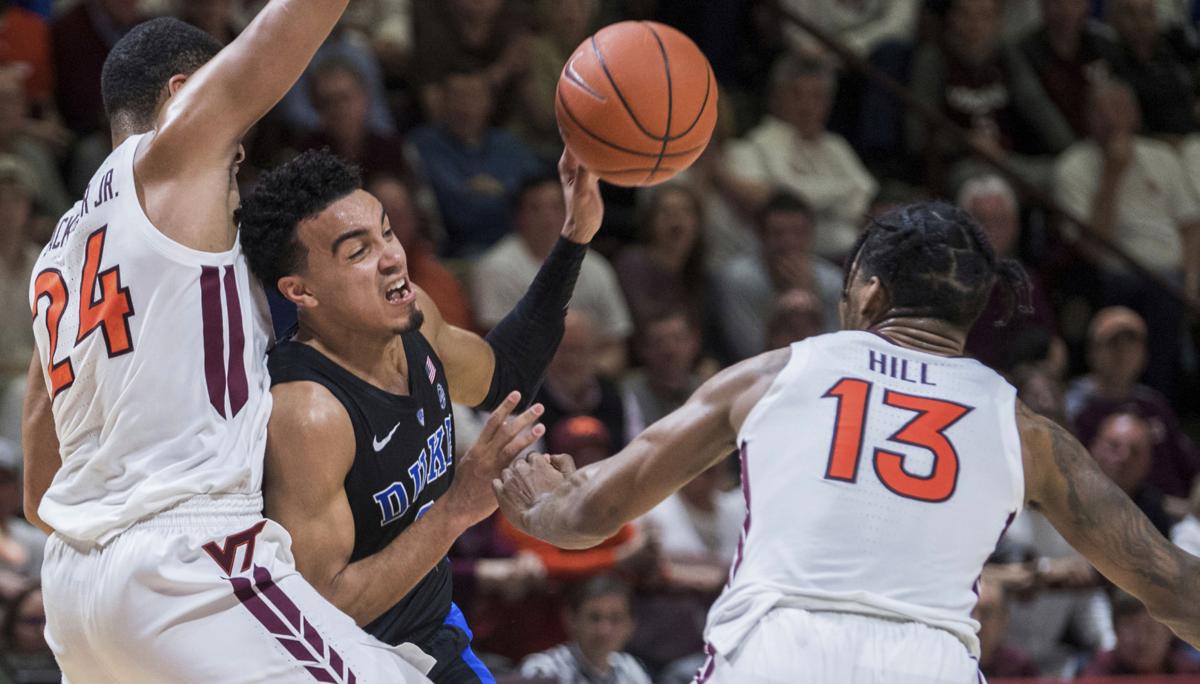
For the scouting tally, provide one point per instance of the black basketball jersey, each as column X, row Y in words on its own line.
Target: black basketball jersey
column 403, row 462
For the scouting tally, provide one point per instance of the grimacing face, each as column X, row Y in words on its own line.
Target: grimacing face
column 356, row 272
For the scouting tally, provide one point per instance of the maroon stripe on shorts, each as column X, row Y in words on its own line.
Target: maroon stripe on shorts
column 737, row 557
column 300, row 638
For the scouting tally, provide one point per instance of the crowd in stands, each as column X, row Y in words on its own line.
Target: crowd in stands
column 448, row 108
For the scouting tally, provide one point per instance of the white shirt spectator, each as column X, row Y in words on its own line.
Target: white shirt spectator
column 504, row 272
column 825, row 172
column 685, row 532
column 1186, row 534
column 1155, row 199
column 567, row 664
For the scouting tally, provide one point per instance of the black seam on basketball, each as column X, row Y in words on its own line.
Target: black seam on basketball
column 636, row 169
column 636, row 153
column 703, row 106
column 666, row 139
column 613, row 83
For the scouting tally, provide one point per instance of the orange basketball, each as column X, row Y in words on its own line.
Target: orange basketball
column 636, row 103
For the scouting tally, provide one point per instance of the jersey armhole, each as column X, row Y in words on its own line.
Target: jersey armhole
column 797, row 363
column 1011, row 445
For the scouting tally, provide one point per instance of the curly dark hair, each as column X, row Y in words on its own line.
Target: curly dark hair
column 283, row 197
column 144, row 60
column 934, row 260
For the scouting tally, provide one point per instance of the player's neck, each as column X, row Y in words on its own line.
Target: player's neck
column 379, row 361
column 922, row 334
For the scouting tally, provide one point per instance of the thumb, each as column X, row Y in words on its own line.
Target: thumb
column 563, row 463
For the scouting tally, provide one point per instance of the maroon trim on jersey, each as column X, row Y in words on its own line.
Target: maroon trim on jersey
column 266, row 602
column 975, row 587
column 710, row 664
column 239, row 391
column 214, row 336
column 737, row 558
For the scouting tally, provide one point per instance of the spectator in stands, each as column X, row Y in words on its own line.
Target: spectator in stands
column 24, row 654
column 25, row 39
column 17, row 257
column 576, row 386
column 862, row 26
column 667, row 269
column 991, row 201
column 340, row 95
column 797, row 316
column 1124, row 448
column 1116, row 358
column 503, row 273
column 600, row 624
column 747, row 289
column 792, row 149
column 408, row 224
column 1160, row 71
column 475, row 169
column 488, row 37
column 35, row 152
column 697, row 529
column 1144, row 646
column 998, row 658
column 1069, row 53
column 80, row 40
column 1186, row 533
column 21, row 544
column 564, row 24
column 668, row 348
column 977, row 81
column 1134, row 191
column 215, row 17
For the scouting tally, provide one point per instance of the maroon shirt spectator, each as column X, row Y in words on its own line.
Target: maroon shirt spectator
column 1117, row 356
column 1123, row 449
column 80, row 40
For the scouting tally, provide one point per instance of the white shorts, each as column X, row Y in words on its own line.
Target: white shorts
column 204, row 592
column 795, row 646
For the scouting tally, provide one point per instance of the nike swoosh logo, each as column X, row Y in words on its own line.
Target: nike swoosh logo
column 379, row 444
column 574, row 77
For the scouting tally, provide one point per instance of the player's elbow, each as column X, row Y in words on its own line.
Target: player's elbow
column 33, row 501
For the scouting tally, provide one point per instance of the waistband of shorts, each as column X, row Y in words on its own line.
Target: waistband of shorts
column 206, row 510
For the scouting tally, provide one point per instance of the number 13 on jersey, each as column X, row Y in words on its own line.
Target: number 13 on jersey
column 925, row 430
column 103, row 305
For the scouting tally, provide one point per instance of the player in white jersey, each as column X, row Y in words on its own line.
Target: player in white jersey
column 148, row 398
column 879, row 468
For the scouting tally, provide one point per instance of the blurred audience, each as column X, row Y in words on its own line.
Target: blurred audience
column 1144, row 646
column 80, row 39
column 25, row 41
column 1124, row 447
column 475, row 168
column 792, row 149
column 1116, row 357
column 998, row 658
column 24, row 655
column 504, row 272
column 23, row 139
column 796, row 316
column 1160, row 71
column 1186, row 533
column 18, row 253
column 667, row 347
column 217, row 18
column 600, row 623
column 21, row 544
column 1134, row 191
column 863, row 25
column 746, row 290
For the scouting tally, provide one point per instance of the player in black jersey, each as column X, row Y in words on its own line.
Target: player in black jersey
column 360, row 462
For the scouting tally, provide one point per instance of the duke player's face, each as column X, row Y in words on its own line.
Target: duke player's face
column 356, row 272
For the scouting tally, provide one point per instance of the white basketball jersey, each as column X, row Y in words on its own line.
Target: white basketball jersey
column 154, row 355
column 878, row 480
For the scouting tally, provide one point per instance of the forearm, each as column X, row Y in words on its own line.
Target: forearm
column 39, row 444
column 526, row 339
column 367, row 588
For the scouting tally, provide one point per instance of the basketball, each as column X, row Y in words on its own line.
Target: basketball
column 636, row 103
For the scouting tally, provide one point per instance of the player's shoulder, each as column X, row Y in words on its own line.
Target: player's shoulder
column 307, row 405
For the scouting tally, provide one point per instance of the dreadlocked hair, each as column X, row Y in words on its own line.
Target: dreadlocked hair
column 282, row 199
column 935, row 261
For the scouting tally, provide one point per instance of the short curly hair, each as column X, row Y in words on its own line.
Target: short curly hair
column 282, row 199
column 142, row 63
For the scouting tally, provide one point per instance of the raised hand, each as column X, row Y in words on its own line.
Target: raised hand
column 581, row 191
column 502, row 439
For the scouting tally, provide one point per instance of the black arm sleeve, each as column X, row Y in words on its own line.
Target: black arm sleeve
column 525, row 341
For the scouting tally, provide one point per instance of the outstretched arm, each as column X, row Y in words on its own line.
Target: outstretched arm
column 1094, row 515
column 545, row 497
column 310, row 448
column 518, row 350
column 39, row 441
